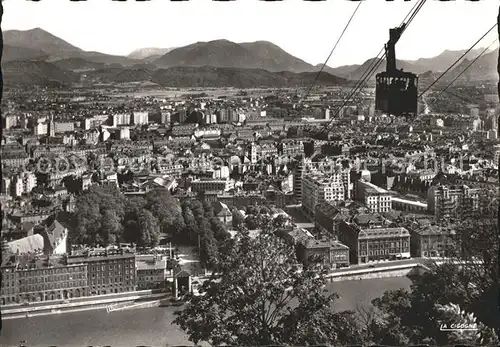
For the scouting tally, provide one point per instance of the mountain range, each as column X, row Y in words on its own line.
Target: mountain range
column 38, row 57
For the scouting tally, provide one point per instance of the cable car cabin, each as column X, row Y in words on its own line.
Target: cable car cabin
column 396, row 93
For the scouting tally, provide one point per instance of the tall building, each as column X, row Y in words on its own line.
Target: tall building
column 374, row 197
column 9, row 121
column 182, row 116
column 121, row 119
column 140, row 118
column 52, row 128
column 318, row 188
column 297, row 183
column 222, row 116
column 23, row 183
column 165, row 117
column 447, row 201
column 40, row 129
column 63, row 127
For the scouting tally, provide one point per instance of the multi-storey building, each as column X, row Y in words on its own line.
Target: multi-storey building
column 151, row 272
column 63, row 127
column 318, row 188
column 165, row 117
column 447, row 201
column 328, row 217
column 291, row 147
column 374, row 244
column 32, row 278
column 433, row 241
column 10, row 121
column 121, row 119
column 23, row 183
column 15, row 160
column 222, row 116
column 109, row 270
column 332, row 254
column 40, row 129
column 202, row 185
column 140, row 118
column 375, row 198
column 94, row 122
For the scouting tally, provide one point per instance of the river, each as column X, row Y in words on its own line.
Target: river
column 151, row 326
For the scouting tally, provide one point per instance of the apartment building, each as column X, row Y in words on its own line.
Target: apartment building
column 318, row 188
column 375, row 198
column 449, row 201
column 332, row 254
column 433, row 241
column 121, row 119
column 108, row 270
column 374, row 244
column 140, row 118
column 202, row 185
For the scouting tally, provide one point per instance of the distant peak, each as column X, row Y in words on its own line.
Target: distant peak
column 221, row 41
column 37, row 29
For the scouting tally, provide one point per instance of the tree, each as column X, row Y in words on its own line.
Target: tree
column 91, row 206
column 111, row 228
column 478, row 335
column 416, row 316
column 238, row 218
column 148, row 233
column 167, row 209
column 261, row 299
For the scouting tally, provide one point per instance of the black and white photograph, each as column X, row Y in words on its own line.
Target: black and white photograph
column 249, row 173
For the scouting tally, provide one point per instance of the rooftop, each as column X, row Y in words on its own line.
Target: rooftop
column 382, row 233
column 28, row 244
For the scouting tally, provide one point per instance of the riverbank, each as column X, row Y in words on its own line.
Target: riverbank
column 153, row 326
column 146, row 298
column 80, row 304
column 405, row 270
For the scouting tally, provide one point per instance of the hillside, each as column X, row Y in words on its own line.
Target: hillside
column 41, row 73
column 283, row 61
column 444, row 60
column 227, row 54
column 238, row 78
column 341, row 71
column 119, row 75
column 14, row 53
column 38, row 39
column 77, row 64
column 485, row 68
column 359, row 72
column 56, row 48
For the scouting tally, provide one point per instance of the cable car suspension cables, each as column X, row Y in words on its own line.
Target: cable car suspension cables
column 331, row 52
column 457, row 61
column 374, row 64
column 444, row 90
column 468, row 66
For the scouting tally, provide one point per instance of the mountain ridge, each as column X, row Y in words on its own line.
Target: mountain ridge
column 39, row 45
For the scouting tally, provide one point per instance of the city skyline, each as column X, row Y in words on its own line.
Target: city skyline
column 465, row 22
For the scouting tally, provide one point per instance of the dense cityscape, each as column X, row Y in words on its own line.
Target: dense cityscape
column 236, row 214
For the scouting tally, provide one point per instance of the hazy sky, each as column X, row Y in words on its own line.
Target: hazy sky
column 307, row 30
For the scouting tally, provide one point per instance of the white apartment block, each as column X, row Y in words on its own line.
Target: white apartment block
column 374, row 197
column 332, row 170
column 23, row 183
column 141, row 118
column 203, row 185
column 121, row 119
column 318, row 188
